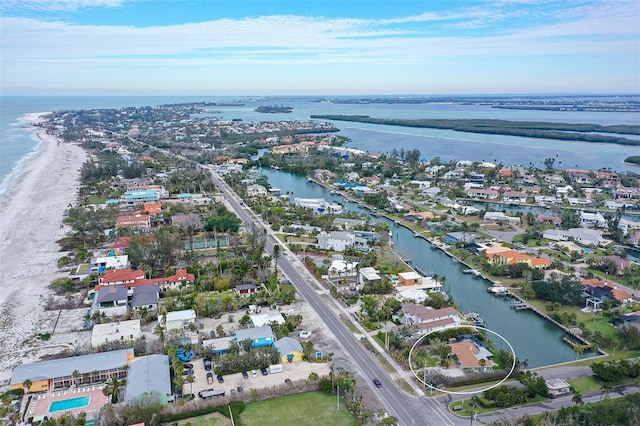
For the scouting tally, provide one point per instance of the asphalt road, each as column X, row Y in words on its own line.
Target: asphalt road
column 407, row 409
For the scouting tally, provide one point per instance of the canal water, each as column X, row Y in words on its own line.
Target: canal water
column 533, row 338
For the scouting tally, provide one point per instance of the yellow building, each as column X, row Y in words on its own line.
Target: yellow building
column 290, row 349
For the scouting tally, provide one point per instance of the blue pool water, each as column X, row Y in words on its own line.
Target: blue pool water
column 69, row 404
column 587, row 251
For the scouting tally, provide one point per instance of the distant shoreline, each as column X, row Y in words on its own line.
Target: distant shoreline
column 31, row 222
column 531, row 129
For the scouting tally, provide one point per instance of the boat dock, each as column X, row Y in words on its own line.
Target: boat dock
column 520, row 305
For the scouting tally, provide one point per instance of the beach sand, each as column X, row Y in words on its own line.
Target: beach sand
column 30, row 224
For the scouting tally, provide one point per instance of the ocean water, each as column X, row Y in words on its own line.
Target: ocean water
column 17, row 144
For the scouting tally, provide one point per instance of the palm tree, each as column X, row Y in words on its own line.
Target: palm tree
column 276, row 255
column 27, row 384
column 76, row 376
column 577, row 398
column 190, row 379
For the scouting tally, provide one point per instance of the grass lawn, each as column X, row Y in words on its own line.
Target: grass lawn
column 213, row 419
column 311, row 408
column 467, row 410
column 585, row 384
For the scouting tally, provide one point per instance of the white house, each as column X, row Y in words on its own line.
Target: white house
column 336, row 240
column 592, row 219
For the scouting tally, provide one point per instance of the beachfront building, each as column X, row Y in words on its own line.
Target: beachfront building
column 102, row 263
column 111, row 301
column 120, row 331
column 149, row 374
column 134, row 221
column 136, row 278
column 59, row 373
column 140, row 196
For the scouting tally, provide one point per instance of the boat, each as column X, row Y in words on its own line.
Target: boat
column 498, row 290
column 415, row 234
column 476, row 319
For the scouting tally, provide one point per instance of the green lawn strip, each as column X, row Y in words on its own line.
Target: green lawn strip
column 466, row 409
column 349, row 324
column 585, row 384
column 214, row 419
column 311, row 408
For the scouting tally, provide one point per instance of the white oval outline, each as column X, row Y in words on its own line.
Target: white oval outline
column 513, row 366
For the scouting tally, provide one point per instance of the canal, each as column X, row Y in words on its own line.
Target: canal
column 533, row 338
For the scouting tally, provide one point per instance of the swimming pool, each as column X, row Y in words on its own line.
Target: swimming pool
column 69, row 404
column 587, row 251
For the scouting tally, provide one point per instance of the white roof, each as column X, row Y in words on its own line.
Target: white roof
column 113, row 330
column 260, row 320
column 410, row 275
column 186, row 315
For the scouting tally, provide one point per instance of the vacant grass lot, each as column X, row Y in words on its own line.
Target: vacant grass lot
column 311, row 408
column 214, row 419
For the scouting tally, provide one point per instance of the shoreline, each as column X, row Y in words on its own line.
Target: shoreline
column 33, row 209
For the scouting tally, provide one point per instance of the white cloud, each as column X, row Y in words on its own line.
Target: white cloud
column 59, row 5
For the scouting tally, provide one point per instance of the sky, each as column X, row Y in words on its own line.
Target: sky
column 319, row 47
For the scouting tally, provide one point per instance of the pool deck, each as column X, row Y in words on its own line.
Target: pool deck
column 40, row 403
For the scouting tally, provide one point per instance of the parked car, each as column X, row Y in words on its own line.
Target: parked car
column 233, row 391
column 188, row 366
column 264, row 371
column 240, row 390
column 220, row 378
column 207, row 365
column 254, row 373
column 377, row 382
column 209, row 377
column 187, row 372
column 245, row 375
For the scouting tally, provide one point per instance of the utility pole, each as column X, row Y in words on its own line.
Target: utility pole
column 338, row 399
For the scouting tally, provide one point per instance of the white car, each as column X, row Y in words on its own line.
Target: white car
column 254, row 373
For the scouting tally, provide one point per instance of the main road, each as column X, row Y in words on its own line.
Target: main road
column 409, row 410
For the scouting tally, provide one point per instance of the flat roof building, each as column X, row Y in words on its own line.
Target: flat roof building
column 149, row 374
column 115, row 332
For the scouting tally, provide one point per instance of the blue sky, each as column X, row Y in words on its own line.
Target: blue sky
column 327, row 47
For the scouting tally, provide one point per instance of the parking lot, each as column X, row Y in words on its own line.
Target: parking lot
column 294, row 371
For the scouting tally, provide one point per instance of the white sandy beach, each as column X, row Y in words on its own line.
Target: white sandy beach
column 30, row 224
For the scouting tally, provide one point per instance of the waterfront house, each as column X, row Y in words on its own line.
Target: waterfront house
column 369, row 276
column 471, row 357
column 427, row 319
column 111, row 300
column 605, row 290
column 489, row 194
column 336, row 240
column 409, row 279
column 514, row 197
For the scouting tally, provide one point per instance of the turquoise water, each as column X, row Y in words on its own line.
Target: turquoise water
column 587, row 251
column 69, row 404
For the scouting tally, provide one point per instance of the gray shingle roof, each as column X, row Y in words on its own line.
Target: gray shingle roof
column 287, row 345
column 253, row 333
column 65, row 366
column 112, row 293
